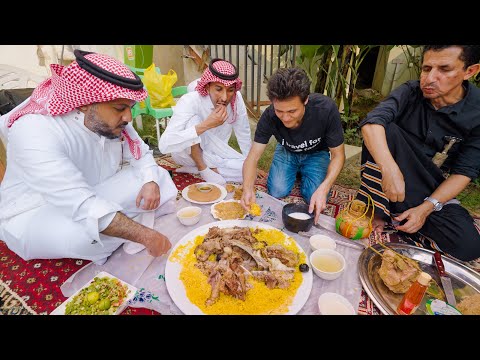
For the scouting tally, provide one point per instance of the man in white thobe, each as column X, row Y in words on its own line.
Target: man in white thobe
column 197, row 135
column 77, row 171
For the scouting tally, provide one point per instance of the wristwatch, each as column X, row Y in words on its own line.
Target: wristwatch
column 437, row 205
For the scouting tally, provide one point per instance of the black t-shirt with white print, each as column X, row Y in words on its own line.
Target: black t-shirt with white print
column 320, row 129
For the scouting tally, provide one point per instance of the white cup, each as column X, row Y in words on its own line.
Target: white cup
column 334, row 304
column 189, row 215
column 322, row 242
column 327, row 264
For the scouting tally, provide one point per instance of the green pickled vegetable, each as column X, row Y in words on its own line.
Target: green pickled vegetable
column 102, row 297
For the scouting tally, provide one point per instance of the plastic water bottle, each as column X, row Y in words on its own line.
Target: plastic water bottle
column 414, row 295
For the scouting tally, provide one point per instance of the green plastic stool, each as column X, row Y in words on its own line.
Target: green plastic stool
column 164, row 113
column 157, row 113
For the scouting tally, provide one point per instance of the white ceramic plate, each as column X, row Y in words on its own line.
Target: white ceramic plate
column 60, row 310
column 176, row 288
column 214, row 212
column 223, row 193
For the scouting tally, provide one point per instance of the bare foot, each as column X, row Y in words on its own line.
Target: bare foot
column 378, row 224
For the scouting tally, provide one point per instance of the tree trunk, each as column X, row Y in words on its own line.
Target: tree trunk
column 345, row 55
column 353, row 83
column 322, row 72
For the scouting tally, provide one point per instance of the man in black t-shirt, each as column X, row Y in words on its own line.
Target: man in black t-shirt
column 424, row 131
column 307, row 127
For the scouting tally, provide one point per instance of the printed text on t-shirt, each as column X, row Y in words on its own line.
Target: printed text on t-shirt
column 304, row 146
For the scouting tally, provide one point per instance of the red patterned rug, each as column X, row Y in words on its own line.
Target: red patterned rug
column 33, row 287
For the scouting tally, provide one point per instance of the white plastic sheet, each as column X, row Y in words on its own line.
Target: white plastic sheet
column 148, row 273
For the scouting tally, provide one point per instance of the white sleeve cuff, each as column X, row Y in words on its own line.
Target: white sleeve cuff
column 100, row 212
column 150, row 174
column 105, row 220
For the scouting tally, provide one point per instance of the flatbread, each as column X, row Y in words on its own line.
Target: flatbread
column 196, row 195
column 229, row 210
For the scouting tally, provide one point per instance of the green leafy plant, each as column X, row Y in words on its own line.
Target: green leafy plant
column 413, row 56
column 334, row 69
column 148, row 132
column 351, row 131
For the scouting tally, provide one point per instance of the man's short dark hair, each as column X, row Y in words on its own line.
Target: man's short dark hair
column 470, row 53
column 288, row 82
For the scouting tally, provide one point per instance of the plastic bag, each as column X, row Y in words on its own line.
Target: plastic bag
column 159, row 87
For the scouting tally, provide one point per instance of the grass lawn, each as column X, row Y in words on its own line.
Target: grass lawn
column 267, row 156
column 470, row 199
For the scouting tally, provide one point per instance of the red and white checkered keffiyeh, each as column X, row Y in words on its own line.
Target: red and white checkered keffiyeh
column 223, row 67
column 70, row 87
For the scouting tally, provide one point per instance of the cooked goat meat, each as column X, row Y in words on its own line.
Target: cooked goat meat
column 214, row 231
column 254, row 254
column 236, row 251
column 209, row 247
column 223, row 279
column 206, row 266
column 215, row 282
column 470, row 305
column 240, row 233
column 235, row 261
column 287, row 257
column 398, row 273
column 274, row 279
column 234, row 284
column 239, row 255
column 249, row 264
column 276, row 264
column 200, row 254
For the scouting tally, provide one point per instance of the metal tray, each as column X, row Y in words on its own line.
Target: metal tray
column 465, row 281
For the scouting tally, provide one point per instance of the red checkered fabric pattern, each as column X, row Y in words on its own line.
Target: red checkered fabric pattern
column 223, row 67
column 70, row 87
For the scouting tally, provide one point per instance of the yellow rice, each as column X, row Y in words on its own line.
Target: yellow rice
column 255, row 209
column 259, row 299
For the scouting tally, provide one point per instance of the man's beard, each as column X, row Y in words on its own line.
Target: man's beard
column 105, row 131
column 100, row 128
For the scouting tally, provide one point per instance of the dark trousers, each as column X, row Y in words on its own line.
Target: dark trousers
column 451, row 229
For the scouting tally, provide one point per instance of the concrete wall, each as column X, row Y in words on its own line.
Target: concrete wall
column 168, row 57
column 192, row 71
column 392, row 70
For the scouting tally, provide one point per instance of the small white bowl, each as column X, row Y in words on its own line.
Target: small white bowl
column 327, row 264
column 189, row 215
column 322, row 242
column 334, row 304
column 205, row 188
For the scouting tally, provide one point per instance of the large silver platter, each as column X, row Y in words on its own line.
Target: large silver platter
column 465, row 281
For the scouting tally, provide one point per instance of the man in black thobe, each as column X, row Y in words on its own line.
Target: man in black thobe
column 422, row 148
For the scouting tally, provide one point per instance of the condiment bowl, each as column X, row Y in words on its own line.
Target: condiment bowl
column 189, row 215
column 319, row 241
column 205, row 188
column 334, row 304
column 293, row 224
column 327, row 264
